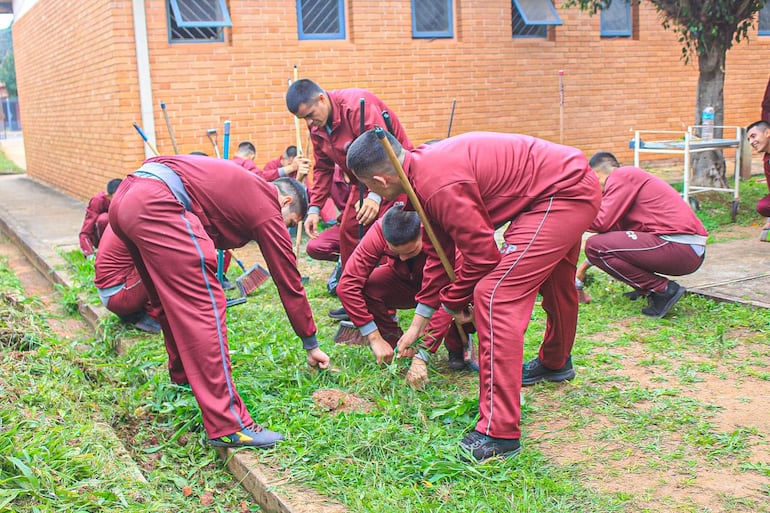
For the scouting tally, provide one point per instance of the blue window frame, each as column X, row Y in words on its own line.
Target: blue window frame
column 197, row 21
column 200, row 13
column 616, row 19
column 432, row 18
column 321, row 19
column 764, row 20
column 531, row 18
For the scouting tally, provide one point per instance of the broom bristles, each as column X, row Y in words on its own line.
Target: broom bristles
column 347, row 333
column 251, row 280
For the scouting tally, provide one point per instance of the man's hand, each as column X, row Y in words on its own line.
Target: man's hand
column 380, row 347
column 367, row 213
column 407, row 344
column 302, row 166
column 317, row 358
column 311, row 225
column 417, row 375
column 466, row 316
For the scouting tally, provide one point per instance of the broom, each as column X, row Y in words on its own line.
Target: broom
column 251, row 280
column 348, row 334
column 414, row 200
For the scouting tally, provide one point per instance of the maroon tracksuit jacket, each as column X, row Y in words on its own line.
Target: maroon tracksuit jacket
column 175, row 252
column 376, row 280
column 471, row 184
column 637, row 208
column 330, row 146
column 94, row 223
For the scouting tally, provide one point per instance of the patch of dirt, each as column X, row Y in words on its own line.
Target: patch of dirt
column 336, row 401
column 683, row 477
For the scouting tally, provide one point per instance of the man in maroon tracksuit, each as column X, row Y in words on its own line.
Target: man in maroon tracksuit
column 758, row 134
column 383, row 274
column 96, row 218
column 643, row 230
column 173, row 214
column 469, row 186
column 334, row 121
column 119, row 285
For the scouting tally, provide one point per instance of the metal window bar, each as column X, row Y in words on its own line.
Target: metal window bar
column 537, row 12
column 200, row 13
column 179, row 34
column 321, row 19
column 432, row 18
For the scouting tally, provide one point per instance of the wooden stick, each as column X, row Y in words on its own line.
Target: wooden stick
column 416, row 203
column 298, row 239
column 423, row 216
column 561, row 106
column 168, row 126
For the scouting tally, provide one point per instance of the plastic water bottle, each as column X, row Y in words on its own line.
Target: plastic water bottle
column 707, row 131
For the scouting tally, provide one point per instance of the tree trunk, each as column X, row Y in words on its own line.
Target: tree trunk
column 709, row 166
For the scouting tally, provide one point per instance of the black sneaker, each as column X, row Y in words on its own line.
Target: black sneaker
column 658, row 304
column 456, row 360
column 482, row 447
column 633, row 295
column 254, row 436
column 147, row 324
column 535, row 372
column 227, row 284
column 339, row 314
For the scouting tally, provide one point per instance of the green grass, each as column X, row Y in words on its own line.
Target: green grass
column 636, row 431
column 7, row 166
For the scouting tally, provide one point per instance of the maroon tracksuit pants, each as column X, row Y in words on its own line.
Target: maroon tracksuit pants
column 635, row 257
column 132, row 298
column 386, row 290
column 178, row 264
column 540, row 254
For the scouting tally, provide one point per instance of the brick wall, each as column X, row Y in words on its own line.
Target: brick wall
column 78, row 84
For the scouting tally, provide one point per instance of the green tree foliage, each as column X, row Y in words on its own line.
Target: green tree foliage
column 8, row 74
column 706, row 30
column 7, row 67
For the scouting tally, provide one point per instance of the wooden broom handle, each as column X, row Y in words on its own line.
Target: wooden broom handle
column 416, row 203
column 423, row 217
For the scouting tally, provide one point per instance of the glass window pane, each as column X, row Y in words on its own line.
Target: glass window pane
column 616, row 19
column 537, row 12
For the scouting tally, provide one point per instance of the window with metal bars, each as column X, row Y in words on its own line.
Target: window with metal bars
column 616, row 19
column 197, row 21
column 531, row 18
column 432, row 19
column 764, row 20
column 321, row 19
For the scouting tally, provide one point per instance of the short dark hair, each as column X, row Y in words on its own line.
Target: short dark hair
column 761, row 124
column 301, row 91
column 246, row 147
column 400, row 226
column 112, row 185
column 291, row 151
column 201, row 153
column 296, row 191
column 366, row 153
column 602, row 160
